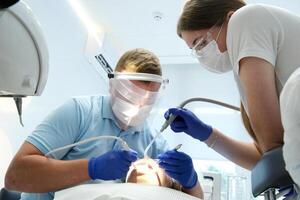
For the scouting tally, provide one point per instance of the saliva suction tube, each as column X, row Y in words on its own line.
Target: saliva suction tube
column 124, row 144
column 104, row 137
column 184, row 103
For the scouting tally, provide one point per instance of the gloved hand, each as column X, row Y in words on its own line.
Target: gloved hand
column 188, row 122
column 111, row 165
column 179, row 166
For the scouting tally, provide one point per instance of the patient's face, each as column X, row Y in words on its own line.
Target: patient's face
column 147, row 171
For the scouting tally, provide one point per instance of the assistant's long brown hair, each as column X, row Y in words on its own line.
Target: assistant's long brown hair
column 247, row 123
column 202, row 14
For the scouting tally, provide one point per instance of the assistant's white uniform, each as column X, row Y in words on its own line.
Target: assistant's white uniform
column 265, row 32
column 272, row 34
column 290, row 114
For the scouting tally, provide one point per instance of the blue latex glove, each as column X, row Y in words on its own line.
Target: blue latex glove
column 188, row 122
column 179, row 166
column 111, row 165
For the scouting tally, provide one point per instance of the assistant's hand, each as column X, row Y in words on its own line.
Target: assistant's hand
column 111, row 165
column 188, row 122
column 179, row 166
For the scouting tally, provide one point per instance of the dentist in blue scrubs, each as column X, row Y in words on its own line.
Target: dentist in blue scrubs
column 122, row 114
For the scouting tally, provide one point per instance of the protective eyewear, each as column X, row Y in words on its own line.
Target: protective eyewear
column 204, row 41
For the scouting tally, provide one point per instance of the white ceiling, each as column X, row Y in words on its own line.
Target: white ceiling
column 131, row 23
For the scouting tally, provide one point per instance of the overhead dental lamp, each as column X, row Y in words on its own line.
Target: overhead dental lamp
column 24, row 53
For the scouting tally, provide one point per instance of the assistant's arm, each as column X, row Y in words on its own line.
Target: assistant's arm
column 258, row 79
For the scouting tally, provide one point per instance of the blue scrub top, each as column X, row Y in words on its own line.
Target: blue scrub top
column 82, row 118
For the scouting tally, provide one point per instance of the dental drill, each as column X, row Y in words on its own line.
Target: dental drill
column 184, row 103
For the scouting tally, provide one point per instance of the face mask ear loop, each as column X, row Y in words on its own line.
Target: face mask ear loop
column 219, row 32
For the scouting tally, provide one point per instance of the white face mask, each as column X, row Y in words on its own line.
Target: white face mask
column 213, row 59
column 129, row 114
column 210, row 55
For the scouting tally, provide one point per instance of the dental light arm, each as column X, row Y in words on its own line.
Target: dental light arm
column 172, row 117
column 24, row 54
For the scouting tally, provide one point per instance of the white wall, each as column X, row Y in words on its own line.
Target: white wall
column 69, row 75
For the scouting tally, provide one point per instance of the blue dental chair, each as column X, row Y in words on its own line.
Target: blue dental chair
column 269, row 175
column 9, row 195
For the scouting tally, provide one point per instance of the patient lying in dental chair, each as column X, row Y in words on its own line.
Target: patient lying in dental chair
column 147, row 171
column 145, row 180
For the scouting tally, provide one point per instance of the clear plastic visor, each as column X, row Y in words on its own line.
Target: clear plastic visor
column 137, row 88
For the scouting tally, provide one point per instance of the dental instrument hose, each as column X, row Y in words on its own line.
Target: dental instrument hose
column 124, row 144
column 172, row 117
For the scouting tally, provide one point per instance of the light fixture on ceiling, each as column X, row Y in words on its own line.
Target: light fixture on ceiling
column 86, row 19
column 157, row 16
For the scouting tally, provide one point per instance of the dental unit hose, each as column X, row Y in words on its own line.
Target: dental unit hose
column 172, row 117
column 124, row 144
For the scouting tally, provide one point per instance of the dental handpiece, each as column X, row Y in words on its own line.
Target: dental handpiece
column 168, row 122
column 172, row 117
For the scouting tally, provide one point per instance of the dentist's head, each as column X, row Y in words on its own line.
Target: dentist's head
column 135, row 87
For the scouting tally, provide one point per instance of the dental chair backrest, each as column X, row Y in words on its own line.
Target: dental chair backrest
column 270, row 173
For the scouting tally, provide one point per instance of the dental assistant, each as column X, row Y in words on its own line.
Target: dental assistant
column 260, row 44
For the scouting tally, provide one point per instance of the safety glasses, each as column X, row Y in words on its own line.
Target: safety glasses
column 197, row 49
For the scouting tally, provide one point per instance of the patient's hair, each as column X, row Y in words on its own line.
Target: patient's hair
column 160, row 178
column 139, row 60
column 202, row 14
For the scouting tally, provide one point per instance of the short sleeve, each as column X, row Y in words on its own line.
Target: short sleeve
column 60, row 128
column 253, row 32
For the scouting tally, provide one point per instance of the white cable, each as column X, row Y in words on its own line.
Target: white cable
column 172, row 117
column 152, row 141
column 124, row 144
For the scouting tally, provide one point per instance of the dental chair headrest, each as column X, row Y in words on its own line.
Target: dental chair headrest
column 270, row 172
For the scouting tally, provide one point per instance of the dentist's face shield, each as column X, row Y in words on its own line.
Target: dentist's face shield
column 133, row 96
